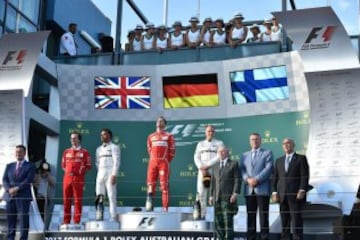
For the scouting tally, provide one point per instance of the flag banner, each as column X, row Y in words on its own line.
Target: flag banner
column 122, row 92
column 259, row 85
column 191, row 91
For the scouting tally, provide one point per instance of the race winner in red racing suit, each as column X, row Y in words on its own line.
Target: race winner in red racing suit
column 161, row 148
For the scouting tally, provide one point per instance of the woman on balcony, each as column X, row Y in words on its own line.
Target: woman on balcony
column 238, row 32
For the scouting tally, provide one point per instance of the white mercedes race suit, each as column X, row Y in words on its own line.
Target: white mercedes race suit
column 108, row 163
column 205, row 155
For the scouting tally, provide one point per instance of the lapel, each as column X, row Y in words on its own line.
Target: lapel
column 282, row 161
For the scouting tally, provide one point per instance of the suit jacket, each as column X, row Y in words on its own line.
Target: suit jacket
column 23, row 180
column 225, row 181
column 261, row 169
column 296, row 178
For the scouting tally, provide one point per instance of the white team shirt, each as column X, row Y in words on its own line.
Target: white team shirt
column 206, row 152
column 108, row 157
column 177, row 40
column 67, row 44
column 219, row 38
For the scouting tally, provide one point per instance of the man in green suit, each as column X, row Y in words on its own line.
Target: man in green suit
column 225, row 188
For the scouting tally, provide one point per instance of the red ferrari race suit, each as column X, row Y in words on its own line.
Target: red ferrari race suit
column 161, row 148
column 75, row 163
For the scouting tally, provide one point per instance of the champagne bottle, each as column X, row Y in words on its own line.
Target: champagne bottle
column 100, row 208
column 197, row 208
column 149, row 203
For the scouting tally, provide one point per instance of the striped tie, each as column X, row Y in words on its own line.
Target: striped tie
column 17, row 171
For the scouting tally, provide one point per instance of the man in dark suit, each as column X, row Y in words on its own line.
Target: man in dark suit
column 17, row 180
column 290, row 182
column 256, row 167
column 225, row 187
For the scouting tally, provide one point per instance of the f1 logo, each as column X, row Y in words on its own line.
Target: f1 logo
column 17, row 56
column 146, row 221
column 314, row 34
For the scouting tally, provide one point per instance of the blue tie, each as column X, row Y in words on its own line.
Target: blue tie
column 253, row 157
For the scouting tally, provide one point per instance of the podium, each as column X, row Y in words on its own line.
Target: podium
column 71, row 227
column 150, row 221
column 102, row 225
column 196, row 225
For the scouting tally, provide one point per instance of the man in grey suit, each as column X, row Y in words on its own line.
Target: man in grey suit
column 256, row 168
column 290, row 183
column 225, row 187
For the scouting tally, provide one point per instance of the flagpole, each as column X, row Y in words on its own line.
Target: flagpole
column 165, row 13
column 198, row 10
column 359, row 30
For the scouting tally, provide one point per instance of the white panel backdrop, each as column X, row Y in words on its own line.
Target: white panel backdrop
column 334, row 139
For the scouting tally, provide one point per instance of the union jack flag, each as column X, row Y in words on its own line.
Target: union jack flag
column 122, row 92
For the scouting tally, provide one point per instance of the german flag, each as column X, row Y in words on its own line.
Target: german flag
column 191, row 91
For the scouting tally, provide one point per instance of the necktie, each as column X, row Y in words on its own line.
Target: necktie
column 17, row 171
column 287, row 162
column 253, row 157
column 222, row 164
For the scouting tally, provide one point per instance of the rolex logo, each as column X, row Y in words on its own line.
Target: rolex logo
column 267, row 133
column 116, row 139
column 190, row 167
column 190, row 196
column 79, row 125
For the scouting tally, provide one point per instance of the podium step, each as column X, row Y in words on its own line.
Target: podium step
column 71, row 227
column 150, row 221
column 102, row 225
column 196, row 225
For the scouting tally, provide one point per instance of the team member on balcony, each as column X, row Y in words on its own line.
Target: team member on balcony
column 130, row 37
column 17, row 180
column 161, row 41
column 161, row 149
column 255, row 30
column 205, row 157
column 68, row 46
column 256, row 167
column 75, row 163
column 206, row 32
column 136, row 43
column 176, row 39
column 148, row 39
column 108, row 164
column 277, row 30
column 266, row 36
column 192, row 36
column 238, row 32
column 218, row 36
column 290, row 182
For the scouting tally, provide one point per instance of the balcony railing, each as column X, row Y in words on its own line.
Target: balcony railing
column 153, row 57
